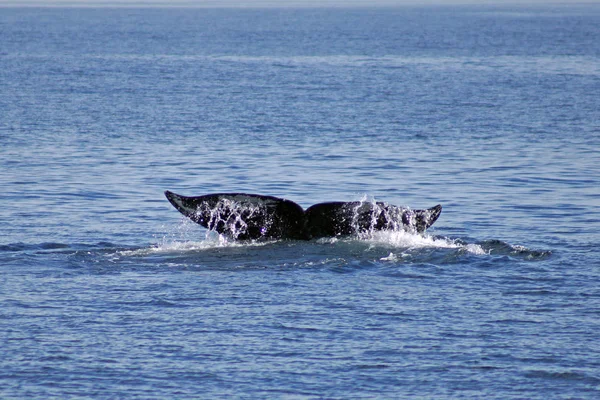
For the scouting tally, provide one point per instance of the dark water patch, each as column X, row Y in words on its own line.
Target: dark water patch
column 499, row 247
column 537, row 291
column 17, row 247
column 404, row 274
column 372, row 366
column 556, row 375
column 55, row 358
column 90, row 195
column 514, row 322
column 57, row 247
column 150, row 303
column 298, row 328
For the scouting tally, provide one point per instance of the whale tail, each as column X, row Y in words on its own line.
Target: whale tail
column 425, row 218
column 250, row 216
column 243, row 216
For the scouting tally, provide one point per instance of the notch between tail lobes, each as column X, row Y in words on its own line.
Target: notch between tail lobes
column 244, row 216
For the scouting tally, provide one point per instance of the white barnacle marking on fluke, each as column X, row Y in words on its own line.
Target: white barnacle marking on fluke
column 251, row 216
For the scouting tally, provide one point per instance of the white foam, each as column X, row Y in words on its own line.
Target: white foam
column 190, row 246
column 390, row 257
column 186, row 237
column 406, row 240
column 475, row 249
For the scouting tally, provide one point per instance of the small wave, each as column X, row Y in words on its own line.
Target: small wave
column 407, row 242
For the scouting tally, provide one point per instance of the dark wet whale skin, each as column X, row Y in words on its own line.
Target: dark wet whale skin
column 245, row 216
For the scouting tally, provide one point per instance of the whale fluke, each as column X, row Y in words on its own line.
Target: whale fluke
column 245, row 216
column 347, row 218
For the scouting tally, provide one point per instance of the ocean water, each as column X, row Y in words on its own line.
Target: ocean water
column 106, row 291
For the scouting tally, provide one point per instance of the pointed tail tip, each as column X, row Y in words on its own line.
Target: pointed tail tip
column 172, row 197
column 434, row 214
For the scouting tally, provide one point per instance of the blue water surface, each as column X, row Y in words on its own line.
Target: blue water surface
column 106, row 291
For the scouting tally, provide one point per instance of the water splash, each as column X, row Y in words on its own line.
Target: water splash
column 410, row 241
column 185, row 237
column 233, row 216
column 368, row 215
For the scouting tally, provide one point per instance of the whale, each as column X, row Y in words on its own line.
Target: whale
column 244, row 216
